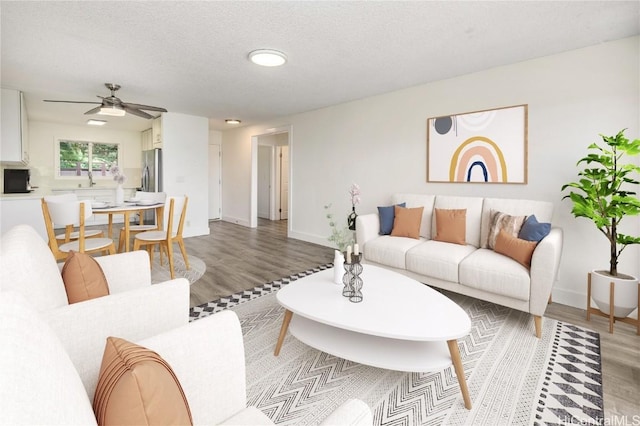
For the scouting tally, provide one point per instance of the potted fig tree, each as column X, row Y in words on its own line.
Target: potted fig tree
column 604, row 193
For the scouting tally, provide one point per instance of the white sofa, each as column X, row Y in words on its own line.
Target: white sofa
column 51, row 352
column 468, row 269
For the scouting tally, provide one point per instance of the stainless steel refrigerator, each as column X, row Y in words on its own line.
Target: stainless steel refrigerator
column 151, row 177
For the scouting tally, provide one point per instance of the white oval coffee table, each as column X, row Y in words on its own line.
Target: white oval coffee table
column 401, row 324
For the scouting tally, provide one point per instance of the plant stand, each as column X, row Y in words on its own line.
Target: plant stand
column 610, row 316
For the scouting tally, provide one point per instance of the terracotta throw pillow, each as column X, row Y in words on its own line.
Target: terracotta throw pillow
column 137, row 387
column 407, row 222
column 502, row 221
column 451, row 226
column 519, row 250
column 83, row 278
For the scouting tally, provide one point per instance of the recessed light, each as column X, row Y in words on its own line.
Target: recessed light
column 96, row 122
column 232, row 121
column 268, row 57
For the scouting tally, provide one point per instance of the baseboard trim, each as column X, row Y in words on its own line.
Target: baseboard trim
column 237, row 221
column 195, row 232
column 570, row 298
column 310, row 238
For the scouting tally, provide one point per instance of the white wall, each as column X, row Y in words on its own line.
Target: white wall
column 236, row 174
column 185, row 157
column 380, row 143
column 42, row 137
column 215, row 137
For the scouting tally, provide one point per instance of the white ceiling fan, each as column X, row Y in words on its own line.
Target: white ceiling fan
column 112, row 105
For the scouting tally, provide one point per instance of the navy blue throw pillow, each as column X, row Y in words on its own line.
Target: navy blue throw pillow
column 387, row 215
column 532, row 230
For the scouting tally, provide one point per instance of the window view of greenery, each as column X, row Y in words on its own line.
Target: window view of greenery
column 77, row 158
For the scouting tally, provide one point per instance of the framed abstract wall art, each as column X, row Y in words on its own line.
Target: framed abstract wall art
column 487, row 146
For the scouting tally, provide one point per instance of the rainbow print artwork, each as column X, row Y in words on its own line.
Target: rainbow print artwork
column 485, row 147
column 478, row 159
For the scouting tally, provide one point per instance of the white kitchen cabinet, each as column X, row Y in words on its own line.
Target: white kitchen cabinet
column 22, row 209
column 147, row 139
column 14, row 148
column 27, row 208
column 157, row 132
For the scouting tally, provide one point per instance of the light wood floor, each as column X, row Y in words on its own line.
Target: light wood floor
column 239, row 258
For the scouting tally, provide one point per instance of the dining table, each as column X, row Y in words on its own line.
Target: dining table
column 126, row 210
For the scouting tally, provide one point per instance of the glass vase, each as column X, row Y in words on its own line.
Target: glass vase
column 351, row 219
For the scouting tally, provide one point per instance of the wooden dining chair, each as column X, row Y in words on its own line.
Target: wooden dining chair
column 175, row 211
column 69, row 232
column 65, row 213
column 160, row 197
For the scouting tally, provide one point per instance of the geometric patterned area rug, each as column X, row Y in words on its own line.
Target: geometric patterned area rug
column 161, row 273
column 513, row 377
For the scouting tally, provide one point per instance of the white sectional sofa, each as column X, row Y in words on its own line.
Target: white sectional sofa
column 469, row 269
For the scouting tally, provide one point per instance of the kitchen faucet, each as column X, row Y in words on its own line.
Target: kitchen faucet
column 91, row 182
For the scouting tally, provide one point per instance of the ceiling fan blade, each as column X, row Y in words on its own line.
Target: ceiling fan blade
column 93, row 110
column 137, row 112
column 72, row 102
column 147, row 107
column 112, row 102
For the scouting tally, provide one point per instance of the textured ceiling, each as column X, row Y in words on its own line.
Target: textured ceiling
column 191, row 57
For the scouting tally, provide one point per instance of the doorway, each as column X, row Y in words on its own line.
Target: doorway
column 282, row 195
column 271, row 171
column 265, row 161
column 215, row 182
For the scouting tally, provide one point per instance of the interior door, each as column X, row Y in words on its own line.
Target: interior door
column 264, row 181
column 284, row 182
column 215, row 182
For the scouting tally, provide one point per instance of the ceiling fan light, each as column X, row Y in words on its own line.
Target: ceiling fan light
column 113, row 110
column 268, row 57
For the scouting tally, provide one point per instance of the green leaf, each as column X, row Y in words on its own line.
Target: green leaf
column 605, row 191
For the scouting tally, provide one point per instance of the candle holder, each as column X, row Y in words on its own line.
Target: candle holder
column 347, row 290
column 356, row 282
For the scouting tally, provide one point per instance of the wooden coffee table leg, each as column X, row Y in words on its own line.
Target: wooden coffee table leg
column 457, row 365
column 283, row 330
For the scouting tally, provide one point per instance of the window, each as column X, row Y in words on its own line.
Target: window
column 77, row 158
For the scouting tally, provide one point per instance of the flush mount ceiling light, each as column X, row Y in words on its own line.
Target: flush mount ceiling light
column 232, row 121
column 96, row 122
column 268, row 57
column 113, row 110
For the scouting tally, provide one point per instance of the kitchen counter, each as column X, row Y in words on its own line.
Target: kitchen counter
column 82, row 192
column 29, row 196
column 27, row 208
column 94, row 188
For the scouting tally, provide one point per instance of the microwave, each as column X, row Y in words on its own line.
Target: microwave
column 16, row 181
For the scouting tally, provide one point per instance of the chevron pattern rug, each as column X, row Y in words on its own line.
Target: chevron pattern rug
column 513, row 377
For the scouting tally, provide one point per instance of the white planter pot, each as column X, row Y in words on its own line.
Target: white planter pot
column 625, row 298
